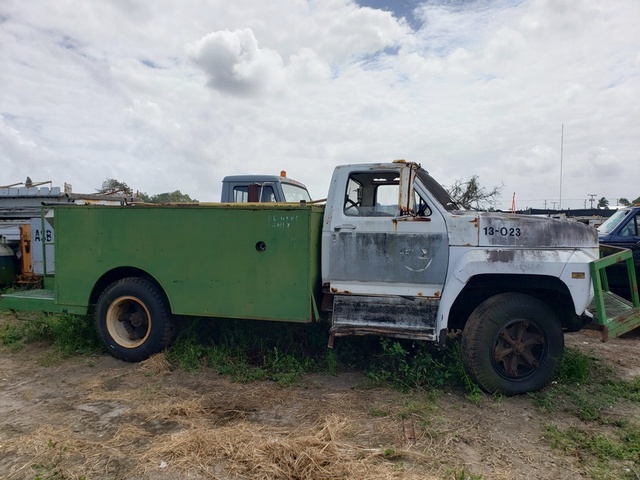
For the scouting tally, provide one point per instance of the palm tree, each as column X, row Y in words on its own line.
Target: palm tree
column 603, row 203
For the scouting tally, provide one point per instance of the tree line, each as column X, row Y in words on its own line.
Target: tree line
column 466, row 193
column 111, row 186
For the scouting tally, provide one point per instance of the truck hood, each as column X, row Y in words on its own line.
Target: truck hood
column 489, row 229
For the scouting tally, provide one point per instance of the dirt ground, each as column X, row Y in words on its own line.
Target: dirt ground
column 99, row 418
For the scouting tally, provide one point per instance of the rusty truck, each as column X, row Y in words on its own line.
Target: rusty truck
column 388, row 253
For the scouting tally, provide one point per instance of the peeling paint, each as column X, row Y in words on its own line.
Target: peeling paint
column 417, row 259
column 387, row 257
column 506, row 256
column 529, row 231
column 338, row 291
column 385, row 315
column 411, row 218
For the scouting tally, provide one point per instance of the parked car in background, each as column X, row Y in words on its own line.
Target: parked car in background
column 622, row 229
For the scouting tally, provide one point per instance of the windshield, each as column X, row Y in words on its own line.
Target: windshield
column 612, row 222
column 294, row 193
column 438, row 191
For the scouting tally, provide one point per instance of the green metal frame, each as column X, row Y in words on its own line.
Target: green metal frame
column 624, row 316
column 36, row 300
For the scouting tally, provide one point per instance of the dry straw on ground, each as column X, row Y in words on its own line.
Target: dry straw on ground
column 317, row 452
column 156, row 365
column 197, row 428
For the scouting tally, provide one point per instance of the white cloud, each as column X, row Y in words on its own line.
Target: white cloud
column 604, row 163
column 234, row 63
column 307, row 66
column 172, row 95
column 350, row 32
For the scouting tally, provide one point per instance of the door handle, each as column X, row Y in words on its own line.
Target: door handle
column 347, row 226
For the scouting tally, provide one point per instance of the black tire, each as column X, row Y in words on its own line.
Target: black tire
column 133, row 319
column 512, row 344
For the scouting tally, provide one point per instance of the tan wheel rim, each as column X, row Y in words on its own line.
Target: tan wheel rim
column 128, row 321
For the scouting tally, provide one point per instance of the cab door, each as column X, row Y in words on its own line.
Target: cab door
column 386, row 238
column 627, row 235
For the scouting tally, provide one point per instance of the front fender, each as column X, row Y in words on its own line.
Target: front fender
column 570, row 266
column 576, row 275
column 511, row 261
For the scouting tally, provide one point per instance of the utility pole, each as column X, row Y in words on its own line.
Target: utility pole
column 554, row 205
column 592, row 195
column 545, row 204
column 561, row 155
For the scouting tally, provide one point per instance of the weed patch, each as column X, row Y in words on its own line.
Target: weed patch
column 69, row 334
column 248, row 351
column 592, row 393
column 410, row 365
column 608, row 455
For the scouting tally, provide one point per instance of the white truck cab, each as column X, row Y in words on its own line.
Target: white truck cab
column 402, row 259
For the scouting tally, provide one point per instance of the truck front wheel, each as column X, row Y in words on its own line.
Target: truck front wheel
column 133, row 319
column 512, row 343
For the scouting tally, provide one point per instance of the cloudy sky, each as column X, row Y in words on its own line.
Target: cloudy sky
column 170, row 94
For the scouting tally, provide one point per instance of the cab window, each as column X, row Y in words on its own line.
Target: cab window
column 631, row 228
column 376, row 194
column 420, row 206
column 372, row 194
column 260, row 193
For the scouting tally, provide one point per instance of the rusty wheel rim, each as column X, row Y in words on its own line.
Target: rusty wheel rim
column 128, row 321
column 520, row 348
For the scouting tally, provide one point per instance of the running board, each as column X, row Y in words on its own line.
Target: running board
column 41, row 300
column 400, row 317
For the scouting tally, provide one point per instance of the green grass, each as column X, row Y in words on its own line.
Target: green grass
column 68, row 334
column 410, row 365
column 454, row 474
column 605, row 439
column 248, row 351
column 253, row 350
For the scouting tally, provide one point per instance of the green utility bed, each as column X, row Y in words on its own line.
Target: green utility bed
column 258, row 261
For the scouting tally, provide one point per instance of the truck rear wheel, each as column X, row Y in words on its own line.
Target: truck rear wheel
column 512, row 343
column 133, row 319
